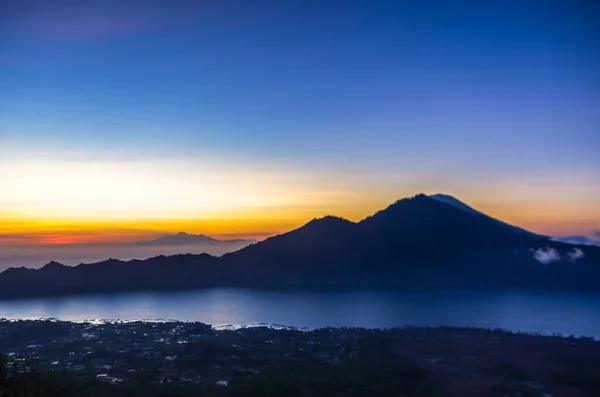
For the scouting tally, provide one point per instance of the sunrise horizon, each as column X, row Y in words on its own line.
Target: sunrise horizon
column 127, row 120
column 257, row 225
column 286, row 198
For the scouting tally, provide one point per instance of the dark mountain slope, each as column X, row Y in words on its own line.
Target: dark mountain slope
column 161, row 272
column 414, row 242
column 423, row 223
column 415, row 230
column 311, row 252
column 444, row 198
column 323, row 238
column 442, row 243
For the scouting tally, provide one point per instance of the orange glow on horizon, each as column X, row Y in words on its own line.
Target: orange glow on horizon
column 258, row 224
column 57, row 202
column 59, row 232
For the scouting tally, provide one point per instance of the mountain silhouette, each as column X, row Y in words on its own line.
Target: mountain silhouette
column 444, row 198
column 420, row 241
column 183, row 238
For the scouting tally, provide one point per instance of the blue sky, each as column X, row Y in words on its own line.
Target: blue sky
column 495, row 100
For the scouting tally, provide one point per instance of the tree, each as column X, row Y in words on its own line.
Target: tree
column 3, row 376
column 5, row 382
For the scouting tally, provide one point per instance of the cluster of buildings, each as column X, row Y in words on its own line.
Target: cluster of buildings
column 166, row 352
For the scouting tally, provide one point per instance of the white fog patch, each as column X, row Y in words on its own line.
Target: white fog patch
column 546, row 255
column 575, row 254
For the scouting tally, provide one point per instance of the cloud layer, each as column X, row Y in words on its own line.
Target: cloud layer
column 546, row 255
column 35, row 255
column 575, row 254
column 577, row 240
column 550, row 255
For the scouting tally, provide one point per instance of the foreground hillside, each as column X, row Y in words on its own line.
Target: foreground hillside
column 415, row 242
column 192, row 359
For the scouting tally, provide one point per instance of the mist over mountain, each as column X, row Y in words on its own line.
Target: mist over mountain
column 578, row 240
column 183, row 238
column 416, row 242
column 34, row 255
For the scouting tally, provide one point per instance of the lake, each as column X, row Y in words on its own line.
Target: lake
column 567, row 313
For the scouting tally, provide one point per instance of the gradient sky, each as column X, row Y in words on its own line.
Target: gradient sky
column 248, row 118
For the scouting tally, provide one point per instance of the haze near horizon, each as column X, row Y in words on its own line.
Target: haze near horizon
column 123, row 121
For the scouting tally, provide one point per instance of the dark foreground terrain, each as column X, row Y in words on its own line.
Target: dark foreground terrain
column 52, row 358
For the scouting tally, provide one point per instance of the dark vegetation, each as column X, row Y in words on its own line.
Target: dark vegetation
column 51, row 358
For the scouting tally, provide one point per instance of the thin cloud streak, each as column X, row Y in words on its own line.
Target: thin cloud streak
column 93, row 19
column 68, row 237
column 81, row 20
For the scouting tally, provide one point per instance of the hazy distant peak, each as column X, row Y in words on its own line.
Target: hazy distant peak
column 183, row 238
column 180, row 238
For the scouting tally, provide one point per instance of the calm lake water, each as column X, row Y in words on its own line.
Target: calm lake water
column 561, row 312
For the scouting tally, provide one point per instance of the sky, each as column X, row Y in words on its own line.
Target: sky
column 236, row 119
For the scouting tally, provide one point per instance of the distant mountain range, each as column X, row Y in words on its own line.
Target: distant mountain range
column 423, row 241
column 33, row 255
column 182, row 238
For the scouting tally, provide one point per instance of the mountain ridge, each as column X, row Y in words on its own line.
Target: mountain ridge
column 182, row 238
column 414, row 242
column 450, row 200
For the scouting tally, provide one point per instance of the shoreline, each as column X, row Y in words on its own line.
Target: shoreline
column 306, row 288
column 281, row 327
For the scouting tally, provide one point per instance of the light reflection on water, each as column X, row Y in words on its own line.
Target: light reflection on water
column 546, row 312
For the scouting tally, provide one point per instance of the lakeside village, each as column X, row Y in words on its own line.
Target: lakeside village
column 196, row 354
